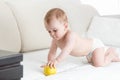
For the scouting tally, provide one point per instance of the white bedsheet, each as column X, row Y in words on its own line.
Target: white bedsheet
column 73, row 68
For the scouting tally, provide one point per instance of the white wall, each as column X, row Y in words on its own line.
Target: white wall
column 105, row 7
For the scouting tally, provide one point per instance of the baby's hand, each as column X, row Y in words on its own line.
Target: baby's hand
column 52, row 63
column 42, row 66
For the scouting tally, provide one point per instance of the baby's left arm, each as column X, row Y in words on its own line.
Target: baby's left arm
column 70, row 42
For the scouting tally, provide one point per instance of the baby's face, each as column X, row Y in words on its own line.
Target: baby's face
column 56, row 29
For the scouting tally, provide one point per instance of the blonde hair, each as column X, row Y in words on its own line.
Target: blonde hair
column 57, row 13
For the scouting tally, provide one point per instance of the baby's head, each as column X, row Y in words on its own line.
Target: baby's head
column 56, row 13
column 56, row 23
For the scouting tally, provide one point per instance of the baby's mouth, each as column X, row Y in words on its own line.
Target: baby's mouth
column 55, row 37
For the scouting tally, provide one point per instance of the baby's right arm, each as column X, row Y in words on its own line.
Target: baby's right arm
column 52, row 52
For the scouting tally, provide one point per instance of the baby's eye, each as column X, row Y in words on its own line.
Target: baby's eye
column 49, row 31
column 55, row 30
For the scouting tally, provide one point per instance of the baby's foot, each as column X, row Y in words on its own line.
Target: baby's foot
column 116, row 58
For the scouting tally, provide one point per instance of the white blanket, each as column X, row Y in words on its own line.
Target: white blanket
column 73, row 68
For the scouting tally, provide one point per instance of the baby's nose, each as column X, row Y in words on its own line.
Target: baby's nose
column 52, row 34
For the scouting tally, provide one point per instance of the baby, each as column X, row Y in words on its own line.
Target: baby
column 56, row 23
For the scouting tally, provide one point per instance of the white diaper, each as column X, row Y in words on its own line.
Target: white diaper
column 96, row 44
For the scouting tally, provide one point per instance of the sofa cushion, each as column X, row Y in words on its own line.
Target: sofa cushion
column 9, row 32
column 30, row 17
column 107, row 29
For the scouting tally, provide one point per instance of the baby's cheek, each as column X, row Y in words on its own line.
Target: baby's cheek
column 58, row 34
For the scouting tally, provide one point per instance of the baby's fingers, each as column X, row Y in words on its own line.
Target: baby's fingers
column 50, row 64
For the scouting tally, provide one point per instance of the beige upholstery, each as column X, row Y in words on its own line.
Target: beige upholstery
column 9, row 33
column 29, row 15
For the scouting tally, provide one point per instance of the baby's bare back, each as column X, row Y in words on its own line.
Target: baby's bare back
column 81, row 47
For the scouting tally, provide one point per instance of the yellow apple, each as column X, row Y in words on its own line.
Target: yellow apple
column 49, row 71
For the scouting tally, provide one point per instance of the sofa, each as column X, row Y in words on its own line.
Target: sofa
column 22, row 30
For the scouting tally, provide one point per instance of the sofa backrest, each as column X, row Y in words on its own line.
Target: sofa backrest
column 9, row 32
column 29, row 15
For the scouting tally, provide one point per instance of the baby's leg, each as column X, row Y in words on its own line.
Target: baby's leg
column 116, row 55
column 101, row 57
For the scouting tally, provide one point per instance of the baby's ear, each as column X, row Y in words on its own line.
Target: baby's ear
column 66, row 25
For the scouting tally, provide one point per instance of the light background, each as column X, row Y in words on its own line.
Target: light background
column 105, row 7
